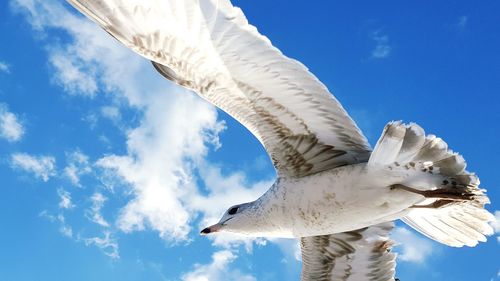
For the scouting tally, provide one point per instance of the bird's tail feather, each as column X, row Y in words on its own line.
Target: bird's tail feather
column 453, row 212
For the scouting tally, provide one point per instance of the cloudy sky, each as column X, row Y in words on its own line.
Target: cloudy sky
column 108, row 172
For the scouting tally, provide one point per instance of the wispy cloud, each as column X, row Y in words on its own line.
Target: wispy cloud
column 65, row 229
column 94, row 213
column 43, row 167
column 496, row 224
column 11, row 128
column 76, row 65
column 65, row 199
column 78, row 165
column 410, row 247
column 4, row 67
column 382, row 48
column 111, row 112
column 218, row 269
column 107, row 244
column 459, row 24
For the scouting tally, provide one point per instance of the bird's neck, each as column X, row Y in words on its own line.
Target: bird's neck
column 268, row 214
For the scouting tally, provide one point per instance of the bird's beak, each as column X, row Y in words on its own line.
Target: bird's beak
column 211, row 229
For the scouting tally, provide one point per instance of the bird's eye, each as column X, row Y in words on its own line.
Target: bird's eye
column 233, row 210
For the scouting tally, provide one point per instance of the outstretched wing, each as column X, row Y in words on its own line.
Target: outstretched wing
column 358, row 255
column 209, row 47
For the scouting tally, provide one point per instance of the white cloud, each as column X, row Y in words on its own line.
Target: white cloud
column 107, row 244
column 218, row 269
column 382, row 49
column 158, row 164
column 410, row 247
column 78, row 165
column 42, row 167
column 496, row 224
column 4, row 67
column 65, row 199
column 10, row 127
column 94, row 213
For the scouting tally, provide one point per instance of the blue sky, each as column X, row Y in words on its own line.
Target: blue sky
column 108, row 172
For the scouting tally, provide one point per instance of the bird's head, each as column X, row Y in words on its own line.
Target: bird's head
column 236, row 219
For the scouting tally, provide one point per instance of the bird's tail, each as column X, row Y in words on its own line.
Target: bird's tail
column 452, row 211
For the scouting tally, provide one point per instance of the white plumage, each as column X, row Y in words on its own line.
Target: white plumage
column 332, row 190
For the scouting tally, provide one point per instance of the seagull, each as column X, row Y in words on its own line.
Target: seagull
column 333, row 191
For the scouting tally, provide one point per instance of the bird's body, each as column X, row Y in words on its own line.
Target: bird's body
column 338, row 200
column 333, row 191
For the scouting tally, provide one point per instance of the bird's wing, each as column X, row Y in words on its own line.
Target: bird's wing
column 350, row 256
column 209, row 47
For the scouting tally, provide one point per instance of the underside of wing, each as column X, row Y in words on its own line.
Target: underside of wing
column 350, row 256
column 209, row 47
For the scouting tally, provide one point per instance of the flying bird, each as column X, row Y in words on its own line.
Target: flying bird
column 333, row 191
